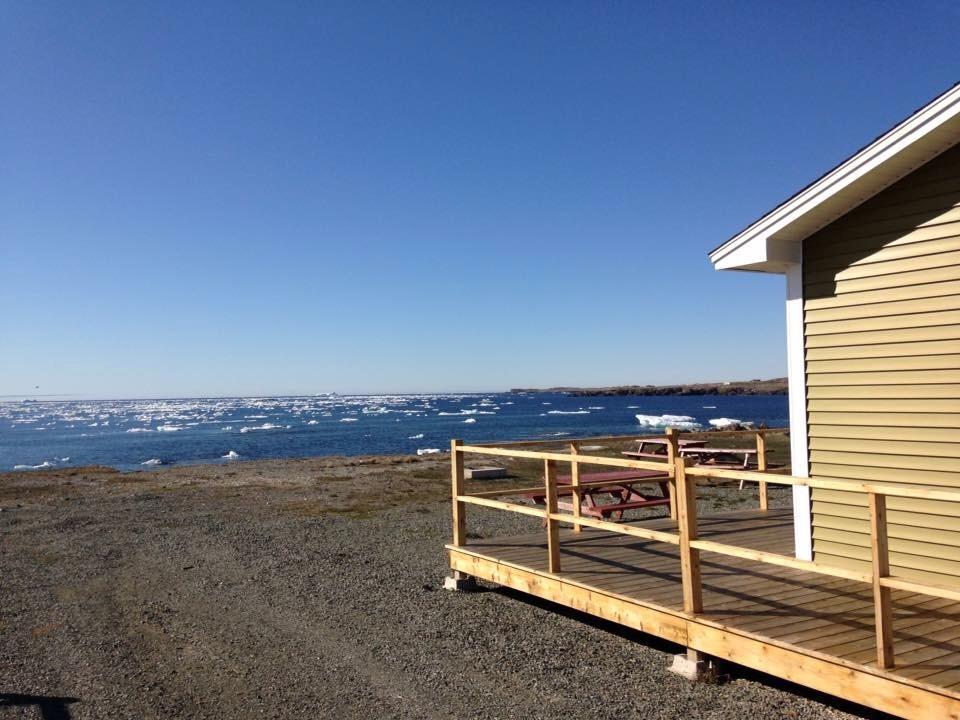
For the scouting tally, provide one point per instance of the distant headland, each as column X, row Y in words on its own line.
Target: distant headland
column 776, row 386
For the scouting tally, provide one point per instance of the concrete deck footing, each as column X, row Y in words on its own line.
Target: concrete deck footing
column 694, row 666
column 459, row 581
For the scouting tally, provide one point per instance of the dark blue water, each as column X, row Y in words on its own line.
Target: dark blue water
column 130, row 434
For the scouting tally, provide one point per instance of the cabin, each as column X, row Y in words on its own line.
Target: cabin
column 853, row 589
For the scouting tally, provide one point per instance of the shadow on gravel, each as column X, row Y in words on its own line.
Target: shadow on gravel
column 730, row 671
column 51, row 708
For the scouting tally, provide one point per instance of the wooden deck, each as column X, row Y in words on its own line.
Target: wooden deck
column 806, row 627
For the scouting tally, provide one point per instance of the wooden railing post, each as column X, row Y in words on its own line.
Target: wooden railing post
column 762, row 467
column 459, row 508
column 687, row 529
column 672, row 455
column 880, row 556
column 553, row 527
column 575, row 485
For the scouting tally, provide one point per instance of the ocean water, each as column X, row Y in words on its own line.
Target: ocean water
column 137, row 434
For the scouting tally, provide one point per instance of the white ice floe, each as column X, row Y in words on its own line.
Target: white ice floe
column 709, row 407
column 469, row 420
column 467, row 412
column 595, row 407
column 568, row 412
column 728, row 422
column 152, row 461
column 428, row 451
column 677, row 421
column 348, row 419
column 169, row 428
column 313, row 422
column 232, row 455
column 418, row 436
column 265, row 426
column 44, row 464
column 136, row 430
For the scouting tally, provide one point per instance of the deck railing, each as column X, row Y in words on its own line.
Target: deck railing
column 683, row 478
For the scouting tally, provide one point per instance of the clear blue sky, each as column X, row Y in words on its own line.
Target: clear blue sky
column 218, row 198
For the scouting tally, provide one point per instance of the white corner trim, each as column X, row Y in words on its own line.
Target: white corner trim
column 797, row 382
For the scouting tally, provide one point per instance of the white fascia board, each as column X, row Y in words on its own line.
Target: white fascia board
column 748, row 250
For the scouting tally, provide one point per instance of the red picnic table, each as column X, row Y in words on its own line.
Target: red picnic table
column 621, row 486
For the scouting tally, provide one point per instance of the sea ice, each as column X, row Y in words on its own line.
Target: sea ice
column 677, row 421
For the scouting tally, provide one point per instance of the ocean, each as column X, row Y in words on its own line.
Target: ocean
column 138, row 434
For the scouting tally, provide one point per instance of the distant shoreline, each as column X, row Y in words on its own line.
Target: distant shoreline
column 775, row 386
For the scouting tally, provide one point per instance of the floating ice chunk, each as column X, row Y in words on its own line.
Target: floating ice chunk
column 418, row 436
column 152, row 461
column 44, row 464
column 723, row 422
column 709, row 407
column 595, row 407
column 265, row 426
column 428, row 451
column 568, row 412
column 136, row 430
column 313, row 422
column 232, row 455
column 677, row 421
column 169, row 428
column 469, row 420
column 728, row 422
column 348, row 419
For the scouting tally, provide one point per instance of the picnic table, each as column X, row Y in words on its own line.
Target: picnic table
column 730, row 457
column 657, row 447
column 622, row 487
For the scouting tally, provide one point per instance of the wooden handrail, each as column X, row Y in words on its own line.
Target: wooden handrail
column 684, row 505
column 564, row 457
column 701, row 434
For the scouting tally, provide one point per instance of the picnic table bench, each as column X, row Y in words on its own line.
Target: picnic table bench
column 621, row 487
column 657, row 447
column 721, row 456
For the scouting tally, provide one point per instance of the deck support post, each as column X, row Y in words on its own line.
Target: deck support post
column 458, row 580
column 457, row 482
column 687, row 529
column 672, row 454
column 553, row 527
column 762, row 467
column 575, row 486
column 880, row 556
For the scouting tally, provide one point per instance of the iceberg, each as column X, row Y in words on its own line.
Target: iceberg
column 678, row 421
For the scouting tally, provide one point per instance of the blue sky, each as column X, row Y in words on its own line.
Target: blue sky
column 229, row 198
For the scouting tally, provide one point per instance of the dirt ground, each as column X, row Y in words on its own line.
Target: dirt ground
column 304, row 589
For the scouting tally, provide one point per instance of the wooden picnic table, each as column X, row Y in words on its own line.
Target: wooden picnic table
column 621, row 487
column 657, row 447
column 721, row 456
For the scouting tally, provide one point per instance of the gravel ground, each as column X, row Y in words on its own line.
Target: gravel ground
column 257, row 590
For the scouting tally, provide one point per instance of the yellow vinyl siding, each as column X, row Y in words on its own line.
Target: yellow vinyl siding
column 882, row 338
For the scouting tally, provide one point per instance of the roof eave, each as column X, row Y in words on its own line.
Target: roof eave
column 915, row 141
